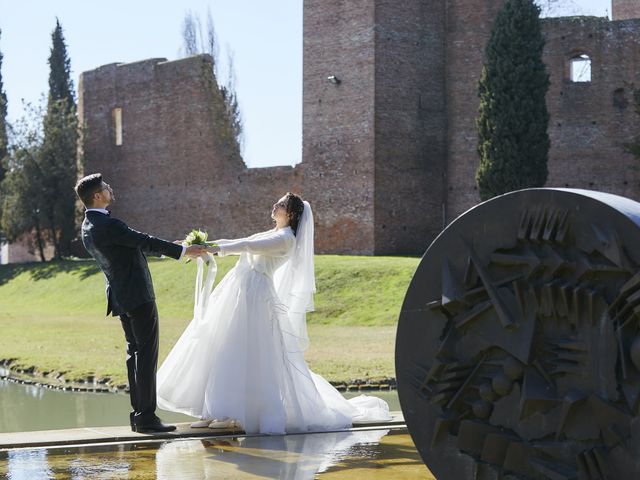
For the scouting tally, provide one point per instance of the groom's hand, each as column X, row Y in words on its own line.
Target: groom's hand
column 195, row 250
column 215, row 249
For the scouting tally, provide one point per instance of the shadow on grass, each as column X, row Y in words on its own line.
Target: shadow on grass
column 43, row 271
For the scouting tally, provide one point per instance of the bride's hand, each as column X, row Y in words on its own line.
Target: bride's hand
column 195, row 250
column 213, row 249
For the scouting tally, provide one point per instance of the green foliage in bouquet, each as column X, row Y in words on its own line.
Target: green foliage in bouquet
column 197, row 237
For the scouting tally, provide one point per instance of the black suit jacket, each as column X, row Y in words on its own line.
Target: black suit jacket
column 120, row 253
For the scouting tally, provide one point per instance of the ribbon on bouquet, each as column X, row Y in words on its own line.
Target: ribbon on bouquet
column 204, row 285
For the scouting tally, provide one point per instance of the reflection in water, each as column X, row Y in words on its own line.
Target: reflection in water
column 287, row 457
column 27, row 408
column 83, row 464
column 106, row 468
column 28, row 464
column 370, row 454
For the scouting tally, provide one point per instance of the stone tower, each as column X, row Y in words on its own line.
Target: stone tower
column 625, row 9
column 374, row 123
column 469, row 24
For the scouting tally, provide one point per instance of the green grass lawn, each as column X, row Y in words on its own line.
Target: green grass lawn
column 52, row 315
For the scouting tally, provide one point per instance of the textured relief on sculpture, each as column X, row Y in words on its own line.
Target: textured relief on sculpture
column 518, row 348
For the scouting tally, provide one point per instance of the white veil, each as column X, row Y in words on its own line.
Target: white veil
column 295, row 282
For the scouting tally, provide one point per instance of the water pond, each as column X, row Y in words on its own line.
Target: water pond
column 25, row 408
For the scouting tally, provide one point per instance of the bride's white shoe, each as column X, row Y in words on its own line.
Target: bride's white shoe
column 202, row 423
column 225, row 423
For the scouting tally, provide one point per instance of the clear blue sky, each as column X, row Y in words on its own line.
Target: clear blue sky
column 265, row 37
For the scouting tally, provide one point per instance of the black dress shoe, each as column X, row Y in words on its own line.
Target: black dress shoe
column 154, row 425
column 131, row 421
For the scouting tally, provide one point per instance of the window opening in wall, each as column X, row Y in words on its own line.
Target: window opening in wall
column 117, row 124
column 620, row 99
column 580, row 68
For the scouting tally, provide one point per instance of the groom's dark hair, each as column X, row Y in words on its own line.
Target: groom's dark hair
column 87, row 187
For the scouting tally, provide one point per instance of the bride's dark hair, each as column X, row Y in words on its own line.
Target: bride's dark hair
column 295, row 207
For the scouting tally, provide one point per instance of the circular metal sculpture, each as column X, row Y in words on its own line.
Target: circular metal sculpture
column 518, row 345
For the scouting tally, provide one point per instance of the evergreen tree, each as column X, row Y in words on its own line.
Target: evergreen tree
column 22, row 201
column 4, row 144
column 59, row 149
column 3, row 125
column 512, row 124
column 60, row 83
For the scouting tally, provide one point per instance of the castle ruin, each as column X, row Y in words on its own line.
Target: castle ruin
column 389, row 141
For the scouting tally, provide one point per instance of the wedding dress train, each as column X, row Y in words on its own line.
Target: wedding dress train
column 242, row 356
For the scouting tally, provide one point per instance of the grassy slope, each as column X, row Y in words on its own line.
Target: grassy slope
column 52, row 315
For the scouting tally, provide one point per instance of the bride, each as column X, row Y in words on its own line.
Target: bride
column 241, row 360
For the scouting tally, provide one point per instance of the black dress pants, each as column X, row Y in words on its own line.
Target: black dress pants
column 141, row 332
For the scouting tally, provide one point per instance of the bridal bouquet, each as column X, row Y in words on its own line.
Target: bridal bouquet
column 198, row 237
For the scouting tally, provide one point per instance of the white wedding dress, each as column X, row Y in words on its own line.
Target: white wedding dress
column 242, row 356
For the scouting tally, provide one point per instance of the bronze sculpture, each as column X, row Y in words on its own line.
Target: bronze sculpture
column 518, row 346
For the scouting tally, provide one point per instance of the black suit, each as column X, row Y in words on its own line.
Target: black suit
column 120, row 253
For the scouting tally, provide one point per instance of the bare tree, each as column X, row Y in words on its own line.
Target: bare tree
column 212, row 42
column 233, row 108
column 190, row 28
column 196, row 42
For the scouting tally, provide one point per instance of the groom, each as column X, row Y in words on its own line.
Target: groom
column 120, row 253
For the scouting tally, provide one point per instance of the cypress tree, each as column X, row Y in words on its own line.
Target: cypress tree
column 3, row 143
column 60, row 83
column 3, row 124
column 512, row 124
column 59, row 149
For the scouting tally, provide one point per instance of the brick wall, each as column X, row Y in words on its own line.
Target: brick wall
column 23, row 250
column 591, row 121
column 625, row 9
column 173, row 171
